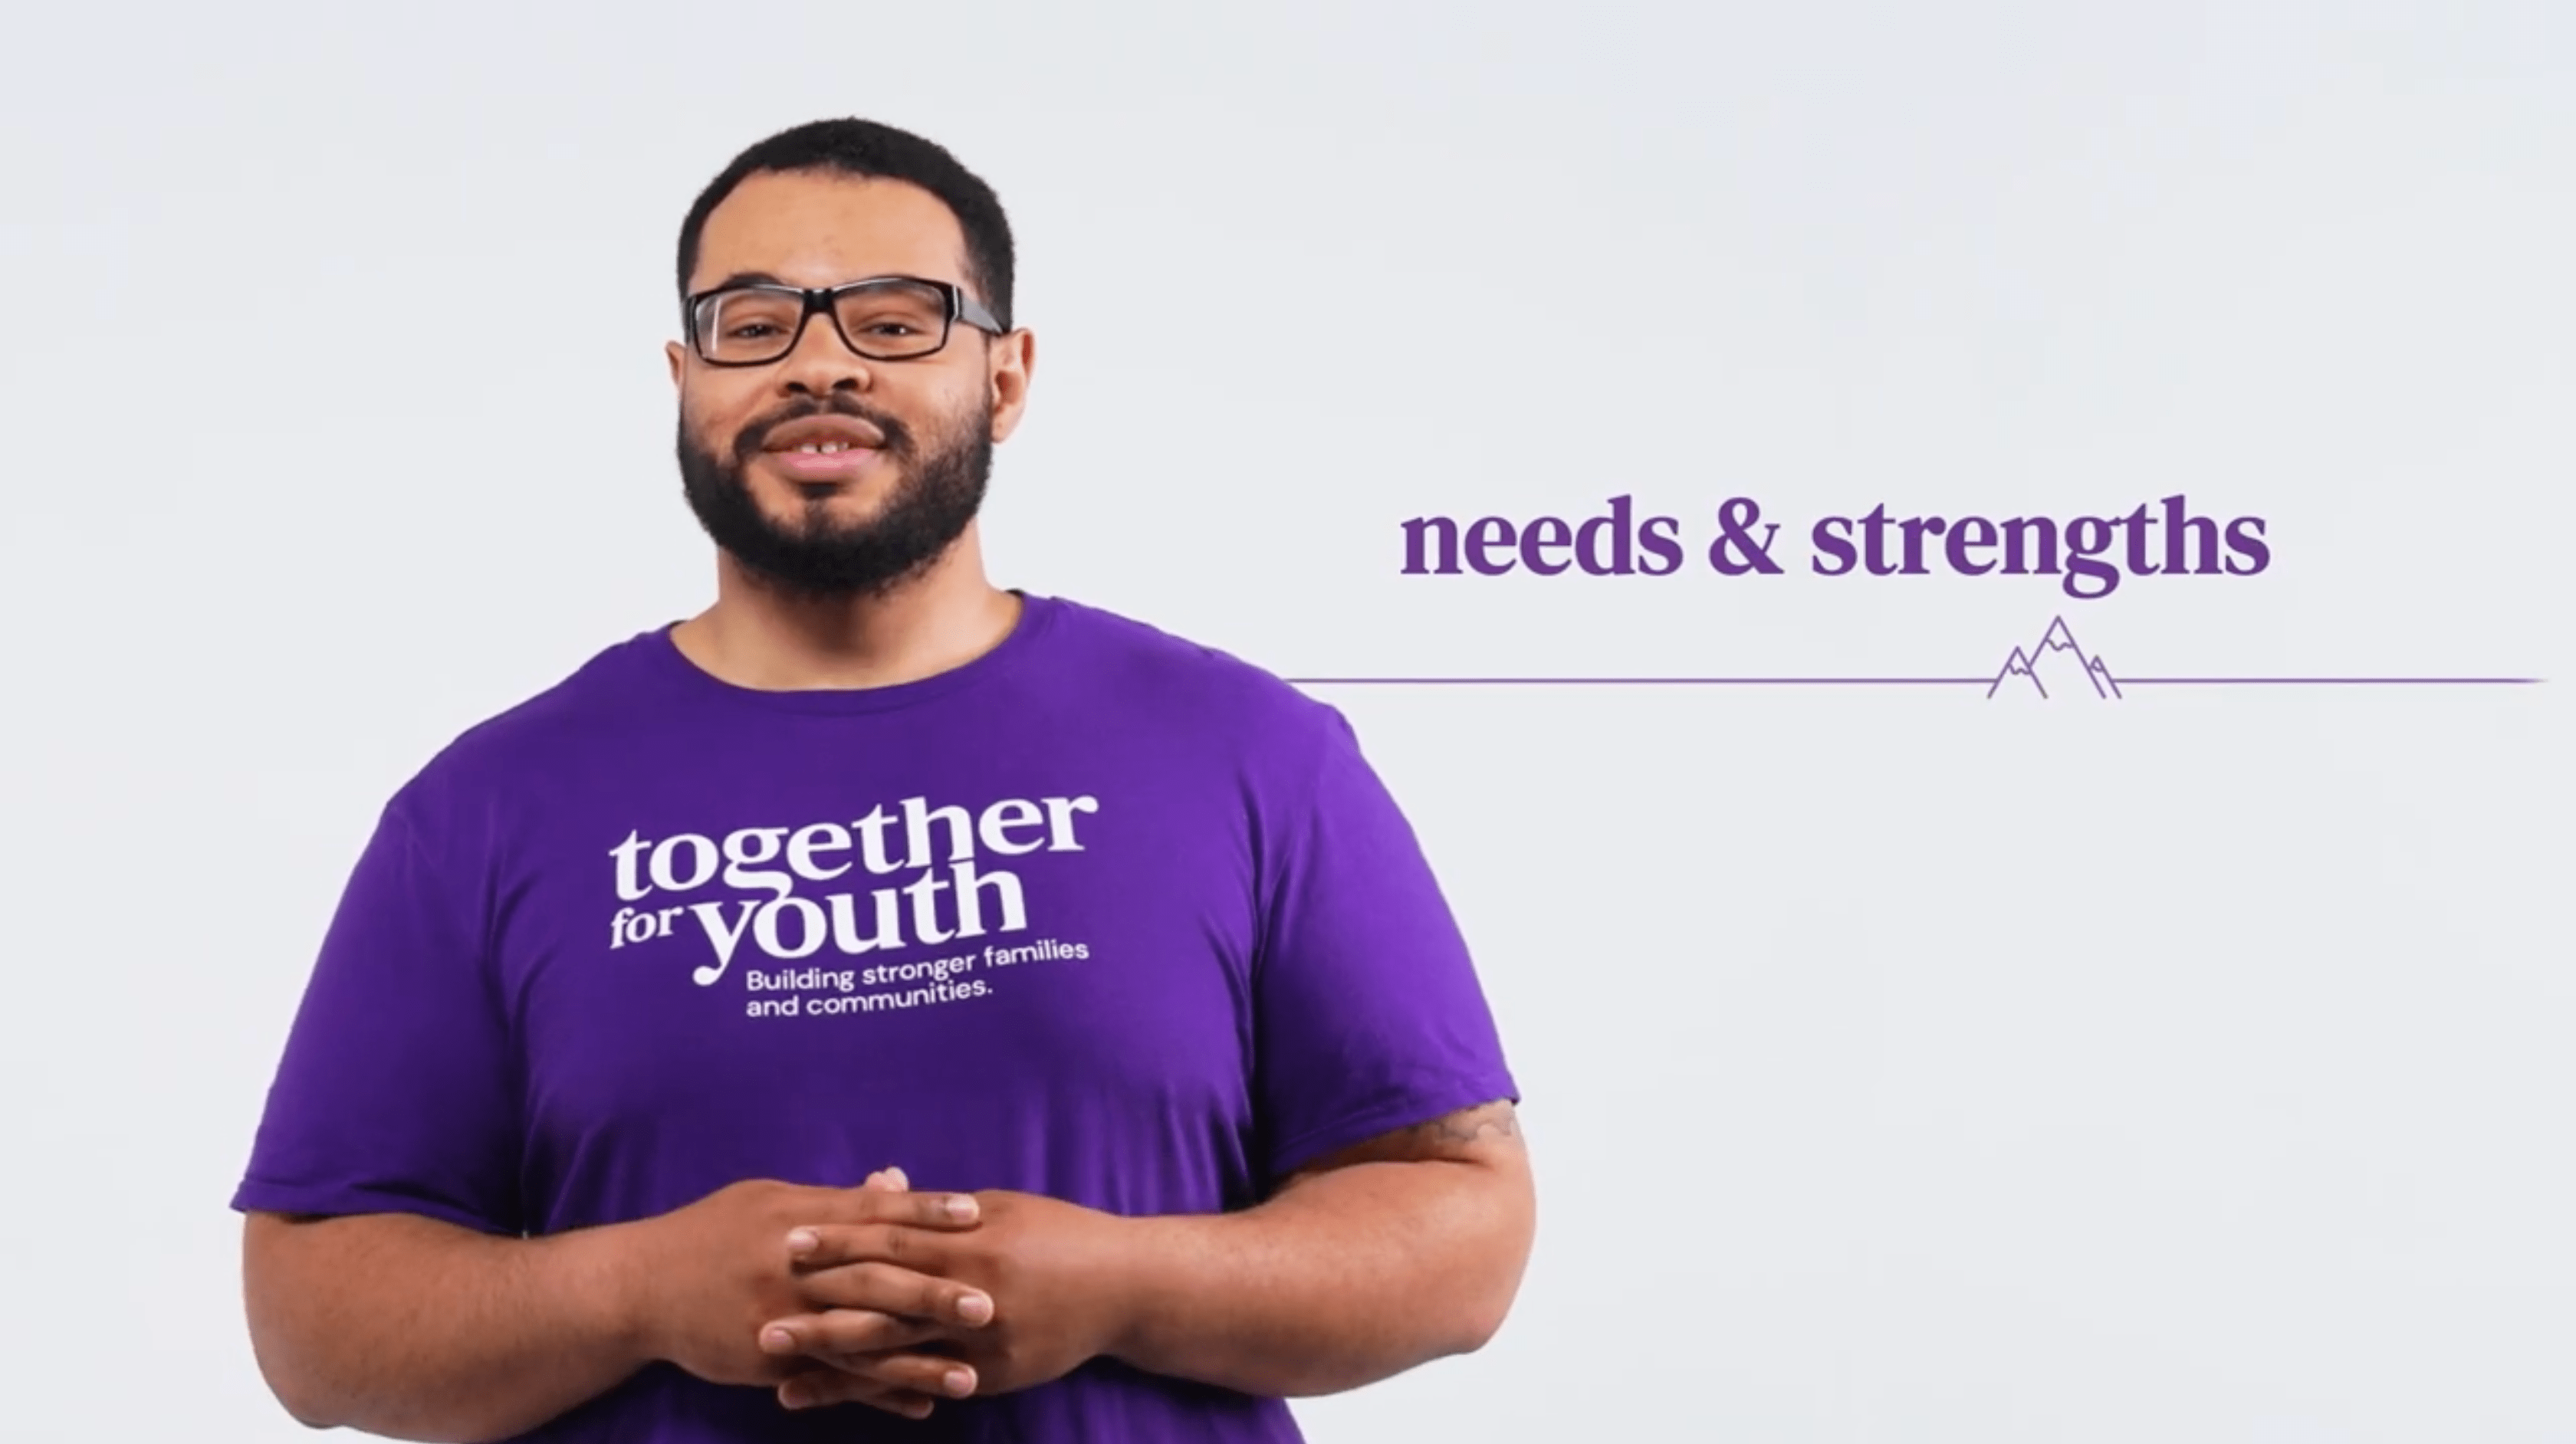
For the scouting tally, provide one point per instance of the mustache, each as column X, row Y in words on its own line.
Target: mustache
column 748, row 444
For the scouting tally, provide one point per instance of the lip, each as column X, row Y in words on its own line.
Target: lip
column 846, row 431
column 823, row 466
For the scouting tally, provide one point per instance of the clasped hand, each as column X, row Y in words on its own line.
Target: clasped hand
column 945, row 1296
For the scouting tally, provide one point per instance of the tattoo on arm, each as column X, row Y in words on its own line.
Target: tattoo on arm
column 1497, row 1119
column 1470, row 1135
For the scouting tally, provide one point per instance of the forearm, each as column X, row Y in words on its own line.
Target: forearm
column 1347, row 1278
column 411, row 1328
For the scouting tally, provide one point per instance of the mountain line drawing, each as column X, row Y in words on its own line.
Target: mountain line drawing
column 2058, row 638
column 2025, row 663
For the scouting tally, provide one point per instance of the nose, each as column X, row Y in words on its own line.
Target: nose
column 820, row 363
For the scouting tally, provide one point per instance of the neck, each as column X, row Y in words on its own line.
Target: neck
column 757, row 636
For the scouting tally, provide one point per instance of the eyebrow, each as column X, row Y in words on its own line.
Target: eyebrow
column 763, row 278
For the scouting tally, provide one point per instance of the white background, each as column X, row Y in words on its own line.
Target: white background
column 1900, row 1065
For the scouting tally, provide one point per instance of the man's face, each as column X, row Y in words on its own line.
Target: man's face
column 826, row 474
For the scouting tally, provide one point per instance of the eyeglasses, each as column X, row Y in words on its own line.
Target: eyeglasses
column 883, row 318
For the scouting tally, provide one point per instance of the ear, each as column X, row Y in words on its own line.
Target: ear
column 1012, row 358
column 679, row 355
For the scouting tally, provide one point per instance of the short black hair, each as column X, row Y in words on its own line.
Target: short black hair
column 875, row 151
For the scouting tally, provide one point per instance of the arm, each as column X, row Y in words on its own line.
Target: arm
column 395, row 1093
column 1402, row 1250
column 1388, row 1255
column 416, row 1329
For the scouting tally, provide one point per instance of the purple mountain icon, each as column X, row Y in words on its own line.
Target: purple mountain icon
column 2058, row 638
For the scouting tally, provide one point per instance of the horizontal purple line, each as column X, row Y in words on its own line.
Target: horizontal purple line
column 1641, row 681
column 2328, row 681
column 1900, row 681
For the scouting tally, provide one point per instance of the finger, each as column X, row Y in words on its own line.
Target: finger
column 932, row 1375
column 890, row 1289
column 889, row 1180
column 827, row 1387
column 947, row 1212
column 829, row 1245
column 874, row 1232
column 924, row 1375
column 837, row 1332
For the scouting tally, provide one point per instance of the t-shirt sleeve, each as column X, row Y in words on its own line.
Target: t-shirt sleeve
column 395, row 1093
column 1368, row 1014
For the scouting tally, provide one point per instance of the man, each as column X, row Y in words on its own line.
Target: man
column 883, row 1005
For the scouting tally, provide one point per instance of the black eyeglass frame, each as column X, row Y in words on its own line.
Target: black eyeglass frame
column 961, row 307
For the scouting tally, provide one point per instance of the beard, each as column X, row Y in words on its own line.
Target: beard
column 938, row 490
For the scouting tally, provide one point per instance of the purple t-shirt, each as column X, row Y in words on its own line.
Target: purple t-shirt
column 1101, row 915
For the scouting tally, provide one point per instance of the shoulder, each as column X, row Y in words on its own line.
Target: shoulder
column 458, row 793
column 1163, row 678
